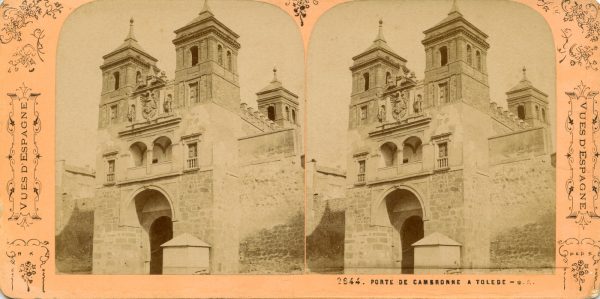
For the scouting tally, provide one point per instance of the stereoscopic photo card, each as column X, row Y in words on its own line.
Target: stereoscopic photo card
column 299, row 148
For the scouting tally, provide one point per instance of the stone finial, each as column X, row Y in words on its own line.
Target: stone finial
column 454, row 7
column 130, row 35
column 524, row 74
column 380, row 36
column 243, row 106
column 274, row 74
column 205, row 7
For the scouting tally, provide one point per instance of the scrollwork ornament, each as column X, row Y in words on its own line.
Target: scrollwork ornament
column 300, row 8
column 18, row 18
column 581, row 258
column 28, row 259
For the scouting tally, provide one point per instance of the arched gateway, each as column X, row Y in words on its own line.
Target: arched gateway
column 155, row 217
column 406, row 217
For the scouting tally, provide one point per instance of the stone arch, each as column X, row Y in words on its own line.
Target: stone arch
column 128, row 215
column 389, row 154
column 138, row 151
column 152, row 210
column 162, row 150
column 379, row 213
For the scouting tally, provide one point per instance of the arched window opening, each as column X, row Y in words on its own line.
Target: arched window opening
column 443, row 56
column 194, row 54
column 271, row 113
column 161, row 150
column 287, row 113
column 138, row 154
column 478, row 60
column 537, row 112
column 229, row 62
column 138, row 78
column 543, row 115
column 469, row 55
column 521, row 112
column 412, row 150
column 366, row 79
column 293, row 116
column 117, row 76
column 388, row 153
column 220, row 54
column 388, row 78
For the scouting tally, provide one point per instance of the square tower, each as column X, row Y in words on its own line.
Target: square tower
column 456, row 68
column 206, row 62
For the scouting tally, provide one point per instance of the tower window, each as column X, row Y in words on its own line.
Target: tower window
column 194, row 93
column 287, row 113
column 543, row 115
column 361, row 170
column 138, row 78
column 412, row 150
column 293, row 116
column 110, row 171
column 138, row 154
column 366, row 79
column 194, row 53
column 363, row 113
column 521, row 112
column 192, row 158
column 537, row 112
column 469, row 55
column 442, row 155
column 388, row 78
column 443, row 93
column 117, row 76
column 229, row 62
column 271, row 113
column 220, row 54
column 443, row 56
column 113, row 113
column 478, row 60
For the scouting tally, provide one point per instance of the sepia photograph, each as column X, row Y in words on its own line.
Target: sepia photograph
column 431, row 132
column 179, row 139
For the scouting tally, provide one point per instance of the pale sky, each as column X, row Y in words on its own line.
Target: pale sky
column 99, row 27
column 518, row 36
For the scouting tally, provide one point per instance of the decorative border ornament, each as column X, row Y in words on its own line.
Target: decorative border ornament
column 580, row 258
column 28, row 259
column 586, row 18
column 17, row 19
column 23, row 124
column 300, row 8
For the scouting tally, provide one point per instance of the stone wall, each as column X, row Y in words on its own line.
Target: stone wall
column 279, row 249
column 271, row 196
column 523, row 214
column 325, row 243
column 114, row 246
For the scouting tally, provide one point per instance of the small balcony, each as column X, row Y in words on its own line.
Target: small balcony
column 192, row 163
column 442, row 163
column 110, row 178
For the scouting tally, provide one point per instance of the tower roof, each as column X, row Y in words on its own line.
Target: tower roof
column 455, row 19
column 275, row 85
column 130, row 43
column 379, row 44
column 524, row 84
column 205, row 20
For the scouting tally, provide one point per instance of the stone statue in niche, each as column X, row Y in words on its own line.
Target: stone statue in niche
column 418, row 104
column 131, row 113
column 149, row 105
column 138, row 79
column 167, row 105
column 382, row 113
column 389, row 80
